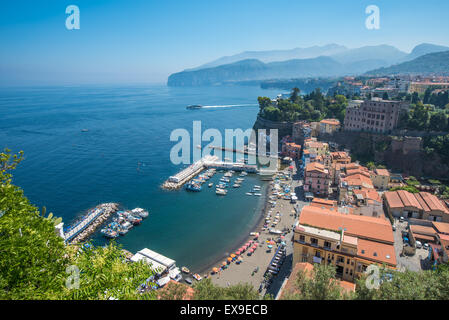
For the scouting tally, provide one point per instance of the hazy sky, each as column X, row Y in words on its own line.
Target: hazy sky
column 139, row 41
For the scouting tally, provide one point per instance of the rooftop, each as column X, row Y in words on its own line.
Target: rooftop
column 360, row 226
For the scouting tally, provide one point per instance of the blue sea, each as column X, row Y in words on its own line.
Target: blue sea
column 124, row 157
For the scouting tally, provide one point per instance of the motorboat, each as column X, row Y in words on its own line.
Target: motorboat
column 249, row 194
column 185, row 270
column 236, row 185
column 194, row 107
column 195, row 187
column 221, row 192
column 140, row 212
column 197, row 277
column 210, row 185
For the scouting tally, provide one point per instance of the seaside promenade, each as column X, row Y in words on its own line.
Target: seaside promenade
column 243, row 272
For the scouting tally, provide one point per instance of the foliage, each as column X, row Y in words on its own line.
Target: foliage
column 34, row 259
column 206, row 290
column 311, row 107
column 319, row 285
column 410, row 189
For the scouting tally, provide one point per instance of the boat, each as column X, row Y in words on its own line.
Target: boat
column 109, row 233
column 197, row 277
column 236, row 185
column 188, row 280
column 84, row 130
column 185, row 270
column 249, row 194
column 221, row 192
column 194, row 107
column 195, row 187
column 258, row 194
column 140, row 212
column 210, row 185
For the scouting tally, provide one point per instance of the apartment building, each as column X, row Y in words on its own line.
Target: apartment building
column 317, row 179
column 374, row 115
column 349, row 242
column 329, row 126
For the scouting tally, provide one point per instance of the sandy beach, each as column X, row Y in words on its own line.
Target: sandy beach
column 244, row 272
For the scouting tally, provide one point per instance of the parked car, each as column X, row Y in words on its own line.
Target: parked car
column 401, row 219
column 394, row 228
column 418, row 244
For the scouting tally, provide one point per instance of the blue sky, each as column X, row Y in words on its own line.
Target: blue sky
column 139, row 41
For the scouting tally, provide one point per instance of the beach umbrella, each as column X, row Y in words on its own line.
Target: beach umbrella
column 229, row 259
column 251, row 250
column 242, row 248
column 282, row 237
column 272, row 242
column 215, row 270
column 232, row 255
column 270, row 246
column 238, row 252
column 224, row 263
column 256, row 244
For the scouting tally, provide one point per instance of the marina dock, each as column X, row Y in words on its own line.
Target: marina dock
column 90, row 223
column 181, row 178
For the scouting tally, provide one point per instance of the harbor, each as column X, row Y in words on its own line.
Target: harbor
column 208, row 162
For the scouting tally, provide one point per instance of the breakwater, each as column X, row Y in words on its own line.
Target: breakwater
column 83, row 229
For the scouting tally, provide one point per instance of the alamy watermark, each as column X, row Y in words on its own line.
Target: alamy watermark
column 73, row 20
column 372, row 22
column 236, row 141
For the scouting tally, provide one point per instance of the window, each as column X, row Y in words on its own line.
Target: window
column 314, row 241
column 327, row 244
column 302, row 238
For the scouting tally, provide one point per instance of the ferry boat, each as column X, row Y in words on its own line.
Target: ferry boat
column 194, row 107
column 191, row 186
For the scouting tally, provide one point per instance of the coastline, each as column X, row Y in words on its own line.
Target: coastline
column 257, row 227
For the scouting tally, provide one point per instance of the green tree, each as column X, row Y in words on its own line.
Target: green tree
column 438, row 122
column 319, row 285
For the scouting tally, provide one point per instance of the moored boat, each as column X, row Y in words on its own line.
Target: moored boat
column 197, row 277
column 185, row 270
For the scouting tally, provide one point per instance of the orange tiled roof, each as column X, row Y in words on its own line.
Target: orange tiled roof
column 334, row 122
column 379, row 252
column 359, row 226
column 442, row 227
column 323, row 202
column 382, row 172
column 315, row 166
column 358, row 180
column 368, row 193
column 420, row 201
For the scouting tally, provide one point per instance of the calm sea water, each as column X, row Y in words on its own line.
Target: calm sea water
column 124, row 158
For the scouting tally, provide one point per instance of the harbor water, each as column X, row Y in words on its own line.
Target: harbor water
column 93, row 144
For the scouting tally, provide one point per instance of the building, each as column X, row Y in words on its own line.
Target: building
column 349, row 242
column 421, row 87
column 422, row 205
column 292, row 150
column 375, row 115
column 380, row 178
column 329, row 126
column 317, row 179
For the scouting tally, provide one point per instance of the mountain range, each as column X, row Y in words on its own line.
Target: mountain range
column 319, row 61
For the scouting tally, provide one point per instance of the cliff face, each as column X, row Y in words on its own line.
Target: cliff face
column 284, row 128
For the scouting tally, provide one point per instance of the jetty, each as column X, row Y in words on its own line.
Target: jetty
column 209, row 161
column 84, row 228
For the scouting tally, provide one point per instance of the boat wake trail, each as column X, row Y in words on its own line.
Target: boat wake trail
column 230, row 106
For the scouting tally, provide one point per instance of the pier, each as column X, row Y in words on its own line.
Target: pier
column 181, row 178
column 83, row 229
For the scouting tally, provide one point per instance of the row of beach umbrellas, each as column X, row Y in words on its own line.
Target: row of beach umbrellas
column 251, row 246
